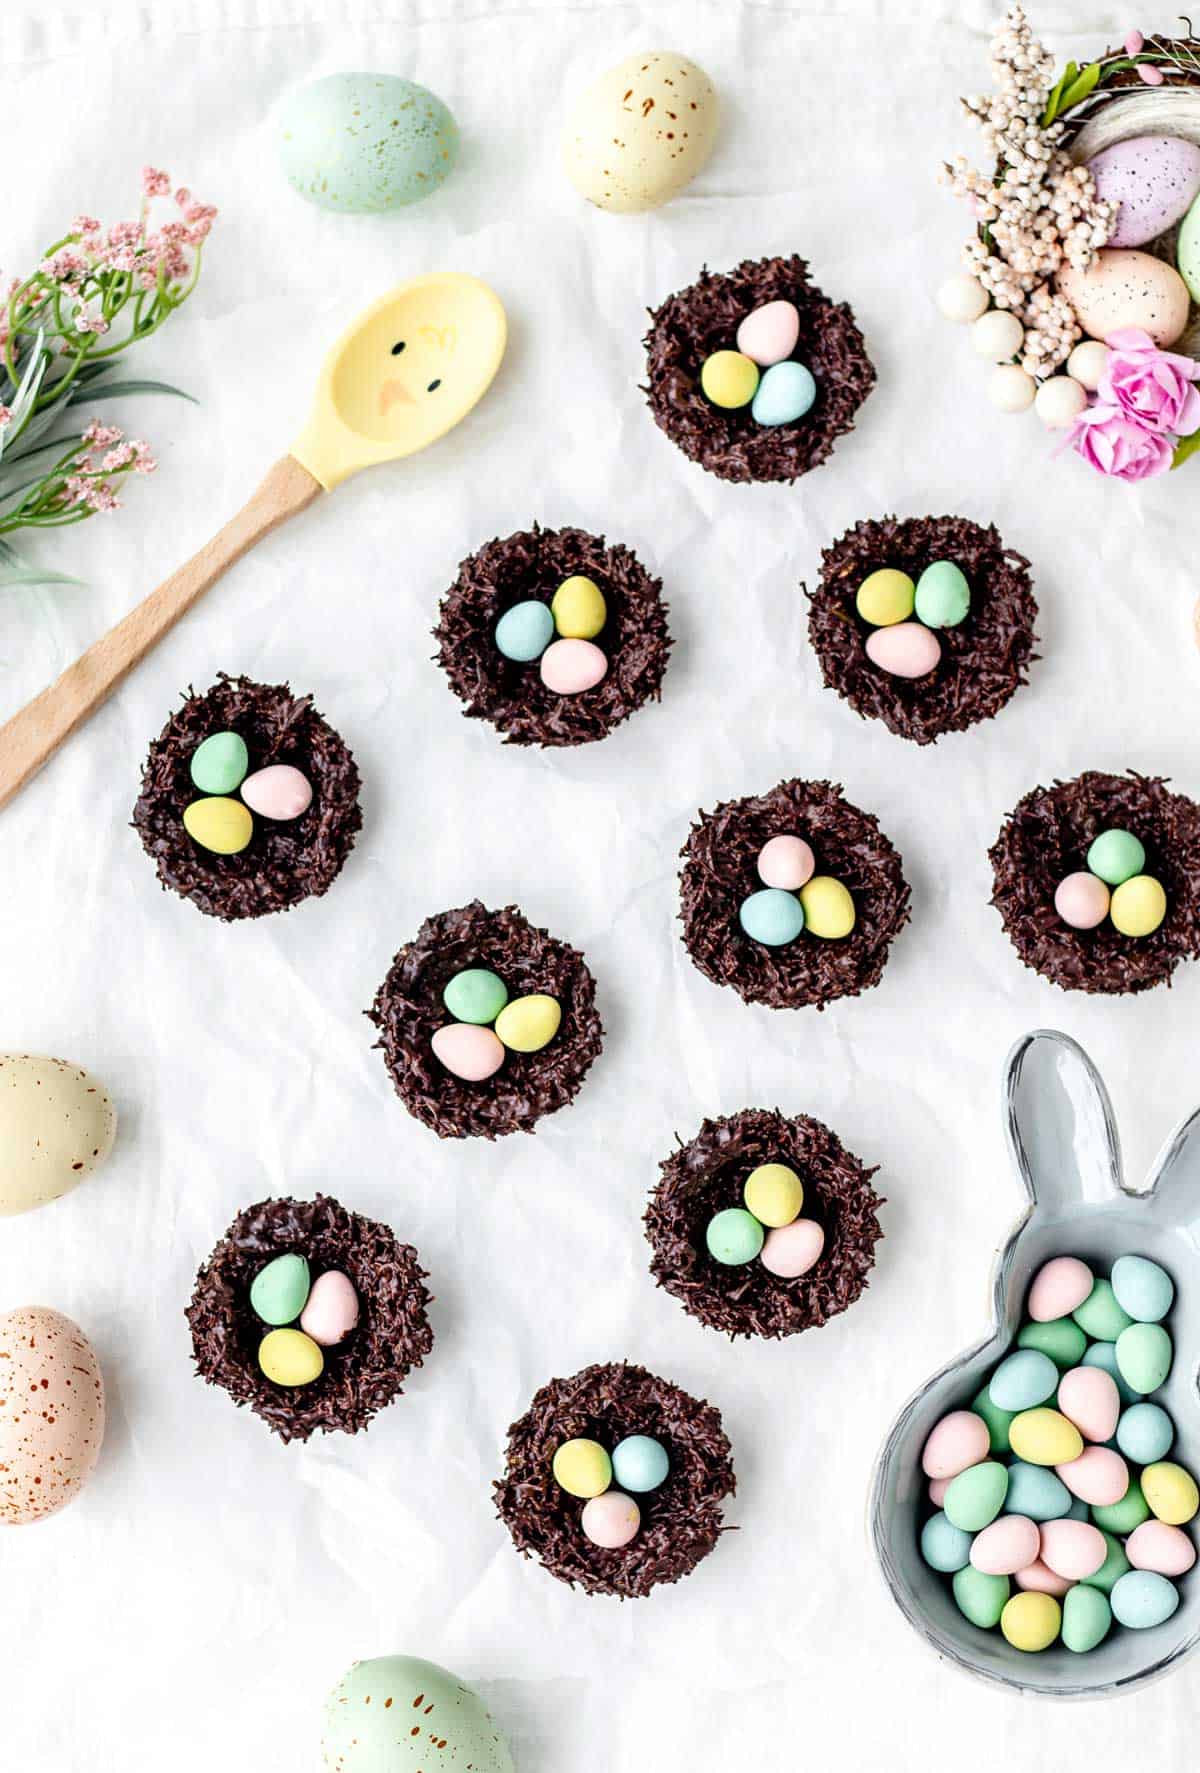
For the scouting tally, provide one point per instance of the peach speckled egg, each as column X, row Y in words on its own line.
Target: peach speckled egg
column 1058, row 1287
column 1088, row 1397
column 1039, row 1578
column 51, row 1412
column 1098, row 1477
column 958, row 1440
column 1074, row 1549
column 1006, row 1546
column 1156, row 1546
column 1128, row 289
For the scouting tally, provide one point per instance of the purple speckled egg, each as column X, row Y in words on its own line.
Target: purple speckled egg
column 1154, row 178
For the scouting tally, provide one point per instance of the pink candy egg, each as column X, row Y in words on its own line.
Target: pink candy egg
column 770, row 333
column 1098, row 1477
column 958, row 1440
column 1058, row 1287
column 1006, row 1546
column 791, row 1250
column 571, row 666
column 278, row 792
column 1073, row 1549
column 611, row 1520
column 468, row 1051
column 1088, row 1397
column 1155, row 1546
column 332, row 1308
column 907, row 649
column 1040, row 1578
column 937, row 1490
column 786, row 862
column 1082, row 900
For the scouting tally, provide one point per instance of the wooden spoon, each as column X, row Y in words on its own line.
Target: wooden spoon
column 404, row 374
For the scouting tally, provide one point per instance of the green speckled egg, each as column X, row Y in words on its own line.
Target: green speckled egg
column 397, row 1714
column 365, row 143
column 1188, row 249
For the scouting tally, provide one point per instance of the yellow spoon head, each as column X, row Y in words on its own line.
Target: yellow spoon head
column 408, row 369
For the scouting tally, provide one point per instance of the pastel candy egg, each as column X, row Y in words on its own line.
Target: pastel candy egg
column 936, row 1490
column 1023, row 1380
column 774, row 1194
column 791, row 1250
column 997, row 1421
column 611, row 1520
column 1006, row 1546
column 1116, row 856
column 1187, row 250
column 1044, row 1437
column 1144, row 1356
column 980, row 1598
column 1098, row 1477
column 943, row 596
column 885, row 598
column 1104, row 1355
column 943, row 1546
column 1138, row 906
column 289, row 1357
column 1143, row 1289
column 1112, row 1569
column 219, row 763
column 475, row 995
column 470, row 1053
column 734, row 1237
column 571, row 666
column 528, row 1024
column 1170, row 1493
column 640, row 1463
column 1100, row 1316
column 976, row 1496
column 772, row 917
column 769, row 334
column 279, row 792
column 582, row 1468
column 222, row 826
column 525, row 631
column 1082, row 901
column 332, row 1309
column 729, row 379
column 1125, row 1515
column 1145, row 1433
column 278, row 1290
column 828, row 908
column 786, row 862
column 1142, row 1599
column 1059, row 1287
column 1040, row 1578
column 1123, row 288
column 1086, row 1617
column 1073, row 1549
column 578, row 608
column 784, row 395
column 1152, row 179
column 957, row 1441
column 1059, row 1337
column 1030, row 1621
column 1088, row 1397
column 907, row 650
column 1034, row 1490
column 1156, row 1546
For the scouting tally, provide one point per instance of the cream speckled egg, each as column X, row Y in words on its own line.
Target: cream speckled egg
column 57, row 1124
column 1128, row 289
column 51, row 1412
column 642, row 132
column 399, row 1714
column 364, row 143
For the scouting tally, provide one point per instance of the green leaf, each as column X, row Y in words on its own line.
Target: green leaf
column 1187, row 446
column 1080, row 89
column 34, row 575
column 111, row 389
column 1053, row 103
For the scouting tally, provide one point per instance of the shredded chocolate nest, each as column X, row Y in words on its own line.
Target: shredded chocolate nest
column 408, row 1010
column 720, row 870
column 709, row 1174
column 532, row 564
column 362, row 1373
column 704, row 318
column 1047, row 836
column 284, row 862
column 984, row 659
column 681, row 1520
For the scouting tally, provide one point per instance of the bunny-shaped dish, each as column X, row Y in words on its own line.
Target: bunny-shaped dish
column 1063, row 1140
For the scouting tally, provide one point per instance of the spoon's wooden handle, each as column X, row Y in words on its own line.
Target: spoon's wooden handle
column 31, row 737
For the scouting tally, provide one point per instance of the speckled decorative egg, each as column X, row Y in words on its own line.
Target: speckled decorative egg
column 365, row 143
column 51, row 1413
column 57, row 1124
column 1127, row 289
column 399, row 1714
column 1153, row 178
column 641, row 132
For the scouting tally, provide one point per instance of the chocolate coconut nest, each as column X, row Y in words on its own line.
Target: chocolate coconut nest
column 681, row 1520
column 284, row 862
column 408, row 1010
column 984, row 659
column 1047, row 836
column 362, row 1373
column 531, row 565
column 704, row 318
column 719, row 872
column 709, row 1174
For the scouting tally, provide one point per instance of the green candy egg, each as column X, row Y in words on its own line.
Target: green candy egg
column 998, row 1421
column 1116, row 856
column 1100, row 1316
column 1061, row 1338
column 975, row 1497
column 1086, row 1618
column 1143, row 1289
column 943, row 596
column 1144, row 1356
column 980, row 1598
column 944, row 1546
column 475, row 995
column 1123, row 1516
column 279, row 1292
column 219, row 763
column 734, row 1237
column 772, row 917
column 1114, row 1566
column 398, row 1714
column 365, row 143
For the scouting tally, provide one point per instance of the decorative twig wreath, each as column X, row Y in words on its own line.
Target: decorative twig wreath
column 1082, row 279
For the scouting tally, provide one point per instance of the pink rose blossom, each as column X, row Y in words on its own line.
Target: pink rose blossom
column 1153, row 388
column 155, row 183
column 1118, row 446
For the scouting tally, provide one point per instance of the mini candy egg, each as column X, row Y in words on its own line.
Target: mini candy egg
column 957, row 1441
column 1145, row 1433
column 278, row 1291
column 525, row 631
column 1141, row 1599
column 571, row 666
column 1116, row 856
column 1187, row 250
column 774, row 1194
column 908, row 649
column 1073, row 1549
column 332, row 1309
column 980, row 1598
column 475, row 995
column 279, row 792
column 772, row 917
column 1059, row 402
column 1035, row 1491
column 1123, row 1516
column 1082, row 901
column 1087, row 364
column 1088, row 1397
column 828, row 908
column 1044, row 1437
column 1156, row 1546
column 1086, row 1617
column 1099, row 1477
column 976, row 1496
column 997, row 335
column 943, row 596
column 997, row 1421
column 729, row 379
column 791, row 1250
column 1100, row 1316
column 936, row 1490
column 1138, row 906
column 1023, row 1380
column 1030, row 1621
column 943, row 1546
column 365, row 143
column 641, row 132
column 1104, row 1354
column 640, row 1463
column 528, row 1024
column 1040, row 1579
column 468, row 1052
column 1060, row 1338
column 1008, row 1545
column 582, row 1468
column 222, row 826
column 885, row 597
column 1059, row 1287
column 1170, row 1493
column 289, row 1357
column 1142, row 1288
column 1112, row 1569
column 784, row 395
column 611, row 1520
column 786, row 862
column 578, row 608
column 1152, row 179
column 961, row 299
column 734, row 1237
column 1123, row 288
column 1144, row 1354
column 769, row 334
column 219, row 763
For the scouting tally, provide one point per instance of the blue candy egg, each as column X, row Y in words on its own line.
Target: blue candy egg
column 1145, row 1433
column 525, row 631
column 1143, row 1289
column 785, row 394
column 639, row 1464
column 1035, row 1491
column 772, row 917
column 1142, row 1598
column 1023, row 1381
column 944, row 1546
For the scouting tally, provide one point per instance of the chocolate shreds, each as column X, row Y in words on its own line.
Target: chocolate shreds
column 720, row 871
column 364, row 1372
column 1047, row 836
column 704, row 318
column 709, row 1173
column 531, row 565
column 984, row 659
column 408, row 1010
column 681, row 1520
column 285, row 861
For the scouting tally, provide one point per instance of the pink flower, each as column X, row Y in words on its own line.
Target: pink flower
column 1119, row 446
column 143, row 461
column 65, row 267
column 86, row 321
column 183, row 197
column 119, row 457
column 1153, row 388
column 5, row 416
column 154, row 183
column 100, row 436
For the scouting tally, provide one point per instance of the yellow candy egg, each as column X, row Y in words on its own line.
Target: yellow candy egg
column 578, row 608
column 582, row 1468
column 774, row 1194
column 1138, row 905
column 218, row 824
column 828, row 907
column 289, row 1357
column 1044, row 1437
column 528, row 1024
column 729, row 379
column 1031, row 1621
column 886, row 597
column 1171, row 1492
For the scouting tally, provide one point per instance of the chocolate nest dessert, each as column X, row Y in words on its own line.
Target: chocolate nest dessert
column 984, row 658
column 409, row 1009
column 362, row 1373
column 1047, row 836
column 680, row 1520
column 703, row 319
column 284, row 862
column 719, row 872
column 531, row 565
column 708, row 1174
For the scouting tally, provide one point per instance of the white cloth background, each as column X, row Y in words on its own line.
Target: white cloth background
column 191, row 1609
